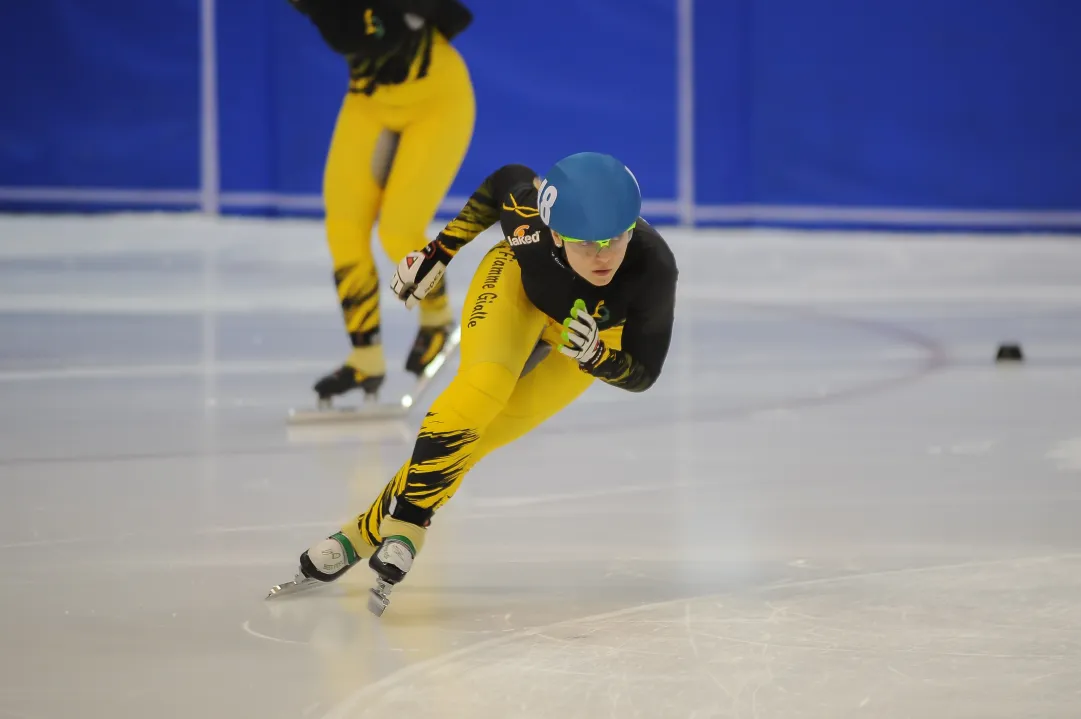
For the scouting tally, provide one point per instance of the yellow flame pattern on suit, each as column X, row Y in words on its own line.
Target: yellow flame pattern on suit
column 358, row 292
column 478, row 215
column 432, row 121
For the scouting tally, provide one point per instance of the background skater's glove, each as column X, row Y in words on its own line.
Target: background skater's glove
column 420, row 272
column 581, row 337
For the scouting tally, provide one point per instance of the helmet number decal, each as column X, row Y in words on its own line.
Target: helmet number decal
column 546, row 197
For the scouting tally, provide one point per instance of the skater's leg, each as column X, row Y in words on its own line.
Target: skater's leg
column 435, row 134
column 541, row 393
column 500, row 329
column 549, row 388
column 353, row 179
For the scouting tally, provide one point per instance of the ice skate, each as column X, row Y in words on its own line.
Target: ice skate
column 390, row 562
column 346, row 379
column 393, row 559
column 341, row 381
column 431, row 349
column 428, row 345
column 323, row 563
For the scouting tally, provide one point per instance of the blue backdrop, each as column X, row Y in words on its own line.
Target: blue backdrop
column 894, row 104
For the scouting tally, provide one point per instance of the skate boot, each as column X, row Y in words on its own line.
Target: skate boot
column 392, row 559
column 328, row 560
column 345, row 379
column 364, row 369
column 426, row 347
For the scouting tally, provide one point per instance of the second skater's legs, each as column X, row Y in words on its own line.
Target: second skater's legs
column 436, row 129
column 352, row 190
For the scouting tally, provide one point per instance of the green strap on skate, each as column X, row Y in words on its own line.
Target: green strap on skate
column 406, row 532
column 351, row 556
column 403, row 540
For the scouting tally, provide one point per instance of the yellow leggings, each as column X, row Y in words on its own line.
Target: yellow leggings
column 393, row 155
column 489, row 403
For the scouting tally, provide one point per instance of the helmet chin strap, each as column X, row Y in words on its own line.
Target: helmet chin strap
column 559, row 252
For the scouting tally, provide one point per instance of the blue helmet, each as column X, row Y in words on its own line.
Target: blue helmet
column 589, row 197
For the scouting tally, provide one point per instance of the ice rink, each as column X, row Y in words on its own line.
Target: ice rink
column 833, row 504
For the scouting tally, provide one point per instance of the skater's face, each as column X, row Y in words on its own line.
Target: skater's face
column 595, row 262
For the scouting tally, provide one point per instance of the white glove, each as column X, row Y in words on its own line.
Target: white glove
column 419, row 272
column 581, row 337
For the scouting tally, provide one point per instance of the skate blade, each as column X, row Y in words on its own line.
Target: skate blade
column 377, row 603
column 295, row 586
column 377, row 596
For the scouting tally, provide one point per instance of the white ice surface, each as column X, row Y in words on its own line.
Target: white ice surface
column 834, row 504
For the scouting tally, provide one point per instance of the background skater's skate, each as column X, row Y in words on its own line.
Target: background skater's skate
column 431, row 350
column 428, row 345
column 346, row 379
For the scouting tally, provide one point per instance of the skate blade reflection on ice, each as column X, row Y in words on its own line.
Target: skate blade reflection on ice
column 368, row 411
column 325, row 413
column 332, row 433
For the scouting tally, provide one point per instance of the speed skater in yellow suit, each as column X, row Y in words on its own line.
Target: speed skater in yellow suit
column 578, row 271
column 401, row 133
